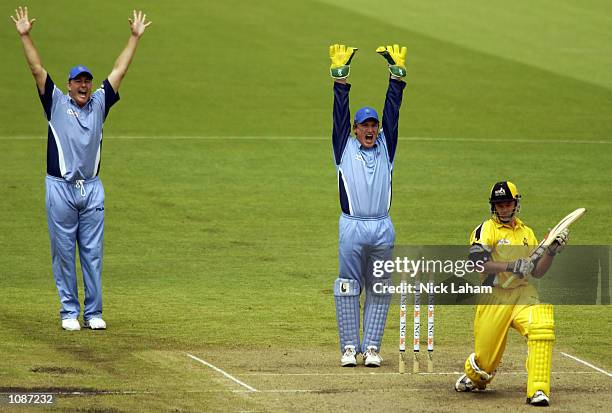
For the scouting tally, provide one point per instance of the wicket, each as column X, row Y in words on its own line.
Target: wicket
column 417, row 326
column 402, row 327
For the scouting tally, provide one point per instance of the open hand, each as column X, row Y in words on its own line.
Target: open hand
column 341, row 57
column 22, row 23
column 139, row 24
column 396, row 57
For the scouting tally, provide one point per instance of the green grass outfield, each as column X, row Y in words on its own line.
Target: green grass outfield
column 221, row 199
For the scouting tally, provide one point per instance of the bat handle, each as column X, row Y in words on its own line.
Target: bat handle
column 508, row 282
column 539, row 252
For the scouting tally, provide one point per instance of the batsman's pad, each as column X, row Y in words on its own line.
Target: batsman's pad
column 479, row 377
column 346, row 295
column 375, row 312
column 396, row 57
column 341, row 57
column 540, row 340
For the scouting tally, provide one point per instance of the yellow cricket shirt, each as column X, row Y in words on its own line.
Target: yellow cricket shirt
column 505, row 244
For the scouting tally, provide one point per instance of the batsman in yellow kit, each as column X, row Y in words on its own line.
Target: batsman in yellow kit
column 504, row 244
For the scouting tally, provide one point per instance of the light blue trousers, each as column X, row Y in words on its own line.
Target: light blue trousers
column 75, row 216
column 362, row 241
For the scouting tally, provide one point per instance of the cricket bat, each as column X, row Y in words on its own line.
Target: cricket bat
column 568, row 220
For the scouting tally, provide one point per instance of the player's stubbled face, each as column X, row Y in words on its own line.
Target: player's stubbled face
column 366, row 133
column 504, row 210
column 79, row 89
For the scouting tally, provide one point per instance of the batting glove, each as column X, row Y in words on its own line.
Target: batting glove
column 341, row 57
column 396, row 58
column 559, row 243
column 521, row 267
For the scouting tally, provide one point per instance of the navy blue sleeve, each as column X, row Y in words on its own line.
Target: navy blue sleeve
column 47, row 97
column 390, row 121
column 342, row 119
column 110, row 96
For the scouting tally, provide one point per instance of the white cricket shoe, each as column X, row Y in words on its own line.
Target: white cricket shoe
column 349, row 358
column 371, row 358
column 464, row 384
column 539, row 399
column 71, row 324
column 95, row 323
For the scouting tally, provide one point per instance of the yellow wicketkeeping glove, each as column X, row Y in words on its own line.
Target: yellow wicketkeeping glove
column 396, row 57
column 340, row 56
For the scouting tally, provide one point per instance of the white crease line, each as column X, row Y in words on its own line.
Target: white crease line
column 322, row 391
column 278, row 391
column 386, row 373
column 600, row 141
column 496, row 140
column 79, row 393
column 587, row 364
column 446, row 373
column 229, row 376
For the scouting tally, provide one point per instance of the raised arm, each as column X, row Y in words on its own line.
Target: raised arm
column 339, row 70
column 390, row 119
column 138, row 26
column 24, row 25
column 342, row 118
column 396, row 58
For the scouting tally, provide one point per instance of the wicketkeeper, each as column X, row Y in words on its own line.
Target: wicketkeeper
column 364, row 167
column 74, row 193
column 504, row 242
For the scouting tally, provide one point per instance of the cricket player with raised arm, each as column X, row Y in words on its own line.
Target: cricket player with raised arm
column 364, row 166
column 503, row 243
column 74, row 193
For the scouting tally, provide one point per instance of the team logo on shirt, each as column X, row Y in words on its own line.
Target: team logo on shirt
column 359, row 157
column 525, row 242
column 72, row 113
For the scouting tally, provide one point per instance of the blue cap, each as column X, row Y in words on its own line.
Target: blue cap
column 77, row 70
column 366, row 113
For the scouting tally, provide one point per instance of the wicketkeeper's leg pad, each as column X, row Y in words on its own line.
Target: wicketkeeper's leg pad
column 375, row 312
column 346, row 295
column 540, row 340
column 478, row 376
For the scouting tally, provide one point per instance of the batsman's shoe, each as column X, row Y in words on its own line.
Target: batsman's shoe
column 464, row 384
column 349, row 358
column 396, row 57
column 95, row 323
column 539, row 399
column 341, row 57
column 371, row 358
column 71, row 324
